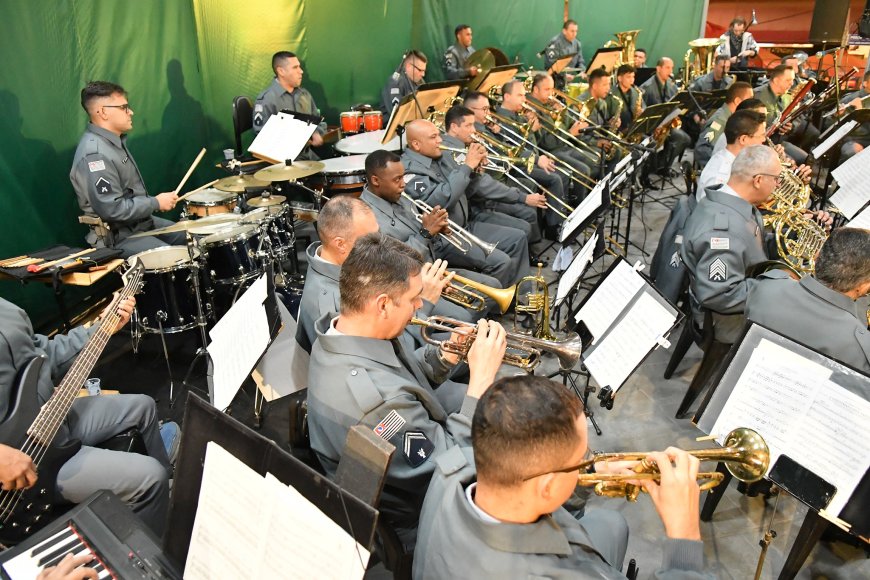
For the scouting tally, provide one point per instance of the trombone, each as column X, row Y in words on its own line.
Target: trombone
column 556, row 130
column 523, row 351
column 459, row 238
column 490, row 166
column 746, row 456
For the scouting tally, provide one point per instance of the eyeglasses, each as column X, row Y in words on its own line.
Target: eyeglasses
column 777, row 179
column 484, row 108
column 125, row 107
column 418, row 69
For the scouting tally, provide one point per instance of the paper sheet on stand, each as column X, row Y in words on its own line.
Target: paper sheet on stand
column 862, row 220
column 572, row 274
column 609, row 299
column 791, row 401
column 833, row 138
column 855, row 170
column 284, row 367
column 586, row 208
column 282, row 137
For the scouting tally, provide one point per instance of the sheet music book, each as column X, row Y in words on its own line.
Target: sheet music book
column 283, row 137
column 266, row 530
column 833, row 139
column 574, row 270
column 627, row 318
column 586, row 209
column 237, row 343
column 862, row 220
column 792, row 395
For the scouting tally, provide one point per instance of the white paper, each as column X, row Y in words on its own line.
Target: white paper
column 249, row 526
column 614, row 359
column 833, row 138
column 237, row 342
column 282, row 137
column 609, row 299
column 855, row 170
column 572, row 274
column 586, row 208
column 850, row 199
column 792, row 403
column 862, row 220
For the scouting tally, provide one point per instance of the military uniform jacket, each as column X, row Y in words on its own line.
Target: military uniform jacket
column 398, row 221
column 714, row 127
column 723, row 237
column 482, row 188
column 398, row 86
column 667, row 270
column 19, row 345
column 276, row 98
column 602, row 112
column 456, row 542
column 108, row 184
column 809, row 312
column 559, row 47
column 707, row 83
column 545, row 139
column 455, row 58
column 503, row 136
column 377, row 383
column 774, row 104
column 438, row 182
column 654, row 92
column 629, row 105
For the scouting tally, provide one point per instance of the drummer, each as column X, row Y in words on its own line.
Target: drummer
column 404, row 81
column 107, row 180
column 286, row 93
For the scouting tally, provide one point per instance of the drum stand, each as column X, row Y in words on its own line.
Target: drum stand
column 202, row 351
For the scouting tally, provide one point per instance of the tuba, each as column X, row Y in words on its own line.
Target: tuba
column 627, row 40
column 698, row 60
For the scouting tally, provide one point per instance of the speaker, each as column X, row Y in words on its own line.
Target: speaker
column 829, row 21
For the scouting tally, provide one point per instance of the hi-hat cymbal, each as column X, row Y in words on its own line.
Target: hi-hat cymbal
column 185, row 225
column 267, row 201
column 238, row 183
column 284, row 172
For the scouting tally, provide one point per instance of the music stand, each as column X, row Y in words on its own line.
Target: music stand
column 557, row 67
column 606, row 58
column 649, row 119
column 417, row 105
column 494, row 77
column 586, row 211
column 829, row 140
column 643, row 74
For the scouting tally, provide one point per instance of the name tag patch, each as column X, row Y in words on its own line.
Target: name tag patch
column 720, row 244
column 99, row 165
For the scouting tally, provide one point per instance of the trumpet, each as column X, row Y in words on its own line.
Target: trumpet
column 459, row 238
column 523, row 351
column 746, row 456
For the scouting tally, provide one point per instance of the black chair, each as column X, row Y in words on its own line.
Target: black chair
column 714, row 353
column 243, row 120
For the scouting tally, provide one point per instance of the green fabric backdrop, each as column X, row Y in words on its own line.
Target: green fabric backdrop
column 182, row 62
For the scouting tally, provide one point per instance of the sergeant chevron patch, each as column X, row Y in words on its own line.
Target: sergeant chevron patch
column 718, row 270
column 418, row 448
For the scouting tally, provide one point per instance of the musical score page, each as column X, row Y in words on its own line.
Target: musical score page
column 609, row 299
column 586, row 208
column 862, row 220
column 833, row 138
column 572, row 275
column 791, row 401
column 282, row 137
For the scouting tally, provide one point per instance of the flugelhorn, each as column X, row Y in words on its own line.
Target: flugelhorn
column 523, row 351
column 745, row 455
column 459, row 238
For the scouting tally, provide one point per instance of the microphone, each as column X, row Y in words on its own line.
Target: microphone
column 822, row 53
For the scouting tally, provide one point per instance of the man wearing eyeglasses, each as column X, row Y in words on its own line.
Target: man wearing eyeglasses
column 107, row 181
column 405, row 81
column 496, row 510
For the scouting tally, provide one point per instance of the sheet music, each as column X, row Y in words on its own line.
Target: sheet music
column 609, row 299
column 850, row 199
column 572, row 275
column 614, row 359
column 833, row 138
column 587, row 207
column 855, row 170
column 282, row 137
column 862, row 220
column 790, row 401
column 269, row 530
column 237, row 342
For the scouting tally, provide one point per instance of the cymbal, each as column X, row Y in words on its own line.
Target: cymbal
column 184, row 225
column 529, row 73
column 572, row 69
column 267, row 201
column 238, row 183
column 284, row 172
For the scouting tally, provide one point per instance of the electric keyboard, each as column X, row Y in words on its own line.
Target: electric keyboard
column 122, row 546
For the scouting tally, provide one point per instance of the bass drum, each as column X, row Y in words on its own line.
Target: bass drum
column 168, row 299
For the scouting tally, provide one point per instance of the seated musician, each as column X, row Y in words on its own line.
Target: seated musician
column 828, row 310
column 404, row 81
column 738, row 44
column 492, row 201
column 772, row 94
column 361, row 375
column 456, row 57
column 396, row 217
column 602, row 111
column 286, row 93
column 715, row 125
column 718, row 77
column 742, row 129
column 439, row 180
column 142, row 481
column 107, row 180
column 859, row 138
column 639, row 58
column 632, row 97
column 565, row 44
column 660, row 88
column 496, row 510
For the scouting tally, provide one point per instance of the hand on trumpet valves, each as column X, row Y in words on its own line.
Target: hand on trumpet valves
column 607, row 145
column 547, row 164
column 435, row 278
column 166, row 200
column 436, row 221
column 676, row 495
column 475, row 156
column 577, row 127
column 485, row 356
column 537, row 200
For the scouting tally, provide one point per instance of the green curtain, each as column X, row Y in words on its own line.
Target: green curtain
column 183, row 61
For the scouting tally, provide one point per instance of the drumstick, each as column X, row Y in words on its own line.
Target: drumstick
column 189, row 171
column 200, row 188
column 34, row 268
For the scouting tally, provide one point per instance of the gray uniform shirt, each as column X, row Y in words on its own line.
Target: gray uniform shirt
column 482, row 187
column 108, row 184
column 455, row 59
column 714, row 127
column 813, row 314
column 398, row 220
column 275, row 98
column 774, row 104
column 707, row 83
column 559, row 47
column 654, row 92
column 398, row 87
column 438, row 182
column 455, row 541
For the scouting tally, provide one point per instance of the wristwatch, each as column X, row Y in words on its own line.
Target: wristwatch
column 425, row 233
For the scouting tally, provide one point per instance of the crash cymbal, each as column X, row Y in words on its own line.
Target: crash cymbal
column 267, row 201
column 184, row 225
column 529, row 73
column 284, row 172
column 238, row 183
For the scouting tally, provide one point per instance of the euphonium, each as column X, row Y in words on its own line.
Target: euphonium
column 745, row 455
column 523, row 351
column 536, row 304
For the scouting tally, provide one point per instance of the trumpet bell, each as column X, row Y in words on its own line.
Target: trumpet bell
column 754, row 454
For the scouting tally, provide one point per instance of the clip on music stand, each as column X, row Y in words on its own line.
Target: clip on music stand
column 606, row 58
column 758, row 356
column 417, row 105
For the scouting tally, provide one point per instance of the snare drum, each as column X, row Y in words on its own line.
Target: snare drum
column 373, row 120
column 168, row 298
column 351, row 122
column 231, row 254
column 210, row 202
column 344, row 175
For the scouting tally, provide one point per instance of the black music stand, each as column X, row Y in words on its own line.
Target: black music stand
column 426, row 99
column 648, row 120
column 836, row 133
